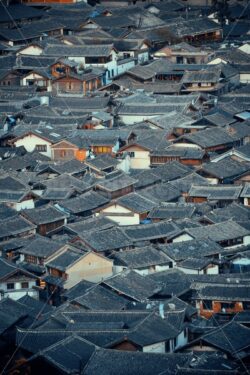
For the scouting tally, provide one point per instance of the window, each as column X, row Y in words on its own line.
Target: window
column 25, row 285
column 246, row 305
column 69, row 85
column 10, row 286
column 62, row 153
column 227, row 305
column 41, row 148
column 167, row 346
column 131, row 154
column 207, row 305
column 102, row 149
column 30, row 259
column 175, row 342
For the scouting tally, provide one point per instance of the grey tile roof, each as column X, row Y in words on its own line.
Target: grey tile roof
column 44, row 214
column 183, row 27
column 152, row 330
column 18, row 12
column 35, row 306
column 172, row 171
column 15, row 226
column 120, row 181
column 221, row 292
column 194, row 263
column 133, row 285
column 41, row 247
column 100, row 298
column 149, row 70
column 106, row 240
column 246, row 191
column 8, row 268
column 172, row 211
column 219, row 232
column 65, row 260
column 216, row 192
column 184, row 184
column 79, row 51
column 134, row 362
column 209, row 138
column 234, row 211
column 53, row 194
column 238, row 338
column 189, row 249
column 78, row 290
column 207, row 76
column 163, row 192
column 92, row 224
column 144, row 177
column 136, row 202
column 102, row 162
column 7, row 321
column 162, row 229
column 227, row 168
column 64, row 182
column 85, row 202
column 30, row 31
column 140, row 258
column 75, row 354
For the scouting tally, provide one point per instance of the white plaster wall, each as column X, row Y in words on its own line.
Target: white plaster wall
column 190, row 271
column 31, row 141
column 143, row 56
column 21, row 293
column 30, row 76
column 141, row 160
column 244, row 77
column 181, row 339
column 143, row 271
column 130, row 219
column 18, row 292
column 245, row 201
column 118, row 269
column 246, row 240
column 27, row 204
column 155, row 348
column 116, row 147
column 245, row 48
column 121, row 68
column 213, row 270
column 187, row 145
column 149, row 270
column 183, row 237
column 124, row 164
column 31, row 50
column 212, row 181
column 132, row 119
column 216, row 61
column 161, row 268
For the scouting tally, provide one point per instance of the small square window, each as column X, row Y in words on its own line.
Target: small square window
column 41, row 148
column 10, row 286
column 25, row 285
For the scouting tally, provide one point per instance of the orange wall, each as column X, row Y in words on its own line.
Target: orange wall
column 80, row 155
column 217, row 309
